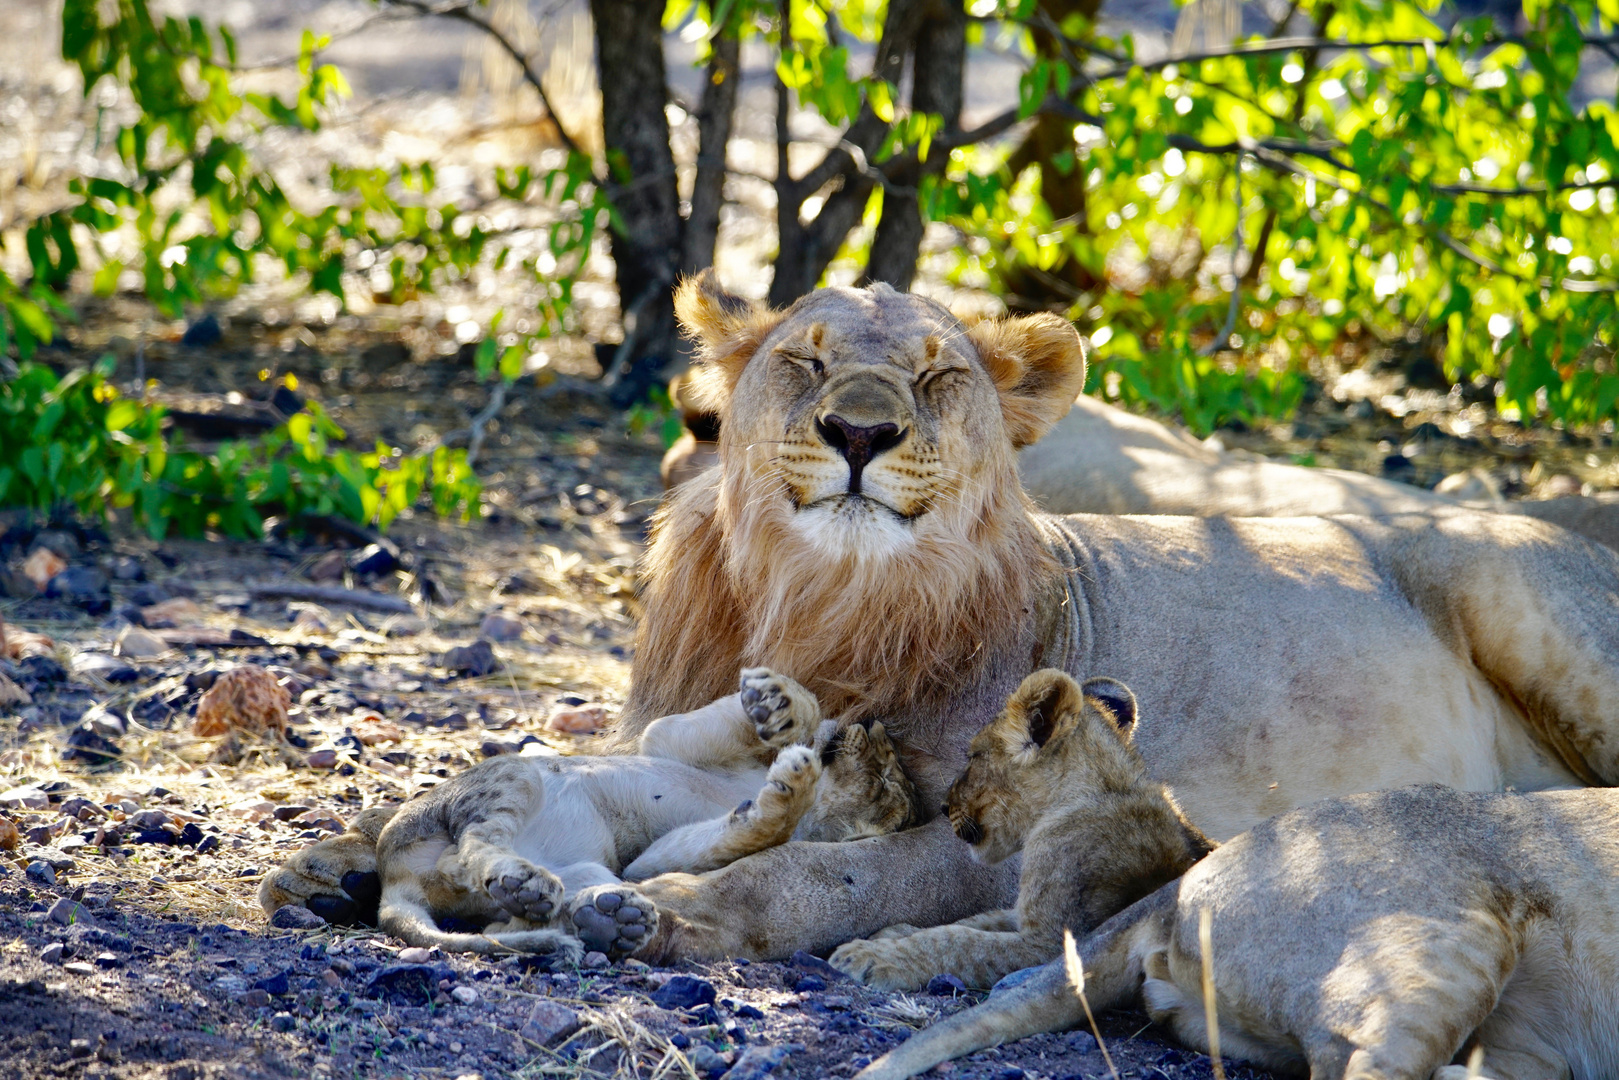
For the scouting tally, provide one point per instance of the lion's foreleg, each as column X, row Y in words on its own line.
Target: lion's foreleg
column 978, row 958
column 761, row 822
column 336, row 878
column 816, row 896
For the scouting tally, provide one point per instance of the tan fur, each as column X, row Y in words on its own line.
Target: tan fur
column 1055, row 777
column 1383, row 935
column 1282, row 660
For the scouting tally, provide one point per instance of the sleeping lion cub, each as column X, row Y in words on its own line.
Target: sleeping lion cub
column 536, row 850
column 1392, row 934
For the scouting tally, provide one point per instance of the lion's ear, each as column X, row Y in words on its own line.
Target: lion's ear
column 1113, row 700
column 727, row 329
column 1038, row 364
column 1047, row 702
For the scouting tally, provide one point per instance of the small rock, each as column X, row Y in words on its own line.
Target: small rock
column 293, row 917
column 176, row 611
column 1558, row 487
column 247, row 698
column 809, row 984
column 708, row 1061
column 324, row 757
column 406, row 985
column 1082, row 1042
column 282, row 1021
column 466, row 995
column 684, row 992
column 415, row 955
column 9, row 837
column 758, row 1062
column 109, row 960
column 549, row 1022
column 88, row 745
column 1474, row 485
column 104, row 723
column 275, row 985
column 53, row 953
column 67, row 912
column 476, row 660
column 79, row 967
column 453, row 722
column 256, row 999
column 375, row 559
column 288, row 813
column 83, row 586
column 139, row 644
column 106, row 668
column 24, row 798
column 594, row 960
column 42, row 565
column 325, row 822
column 332, row 978
column 499, row 626
column 577, row 721
column 128, row 568
column 11, row 695
column 79, row 1047
column 42, row 872
column 814, row 965
column 203, row 332
column 946, row 985
column 329, row 567
column 149, row 819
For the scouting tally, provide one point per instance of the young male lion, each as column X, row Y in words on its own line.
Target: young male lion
column 865, row 531
column 1054, row 776
column 1386, row 936
column 535, row 851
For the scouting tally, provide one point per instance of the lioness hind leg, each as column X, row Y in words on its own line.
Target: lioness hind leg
column 613, row 919
column 336, row 878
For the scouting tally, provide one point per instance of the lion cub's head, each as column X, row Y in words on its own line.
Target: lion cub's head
column 1055, row 743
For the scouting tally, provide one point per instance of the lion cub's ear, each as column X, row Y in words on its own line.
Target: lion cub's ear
column 727, row 329
column 1046, row 704
column 1113, row 700
column 1038, row 364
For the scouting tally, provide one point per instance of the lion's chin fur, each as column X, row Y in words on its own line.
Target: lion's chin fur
column 733, row 579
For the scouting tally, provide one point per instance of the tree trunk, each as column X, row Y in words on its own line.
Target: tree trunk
column 937, row 75
column 713, row 134
column 641, row 177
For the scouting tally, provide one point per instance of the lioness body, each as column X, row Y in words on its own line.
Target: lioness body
column 1383, row 935
column 890, row 562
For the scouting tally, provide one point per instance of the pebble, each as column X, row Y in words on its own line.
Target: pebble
column 594, row 960
column 329, row 567
column 415, row 955
column 106, row 668
column 139, row 644
column 466, row 995
column 758, row 1062
column 42, row 565
column 375, row 559
column 499, row 626
column 42, row 872
column 79, row 967
column 53, row 953
column 9, row 837
column 404, row 985
column 109, row 960
column 203, row 332
column 323, row 758
column 282, row 1021
column 330, row 977
column 577, row 721
column 550, row 1022
column 24, row 798
column 66, row 912
column 294, row 917
column 708, row 1061
column 90, row 746
column 83, row 586
column 685, row 992
column 809, row 984
column 256, row 999
column 474, row 660
column 946, row 985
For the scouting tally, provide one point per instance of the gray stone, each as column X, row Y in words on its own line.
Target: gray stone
column 42, row 872
column 549, row 1023
column 758, row 1062
column 66, row 912
column 499, row 626
column 295, row 917
column 53, row 953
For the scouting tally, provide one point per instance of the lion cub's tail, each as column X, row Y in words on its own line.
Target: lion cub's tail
column 1113, row 956
column 405, row 914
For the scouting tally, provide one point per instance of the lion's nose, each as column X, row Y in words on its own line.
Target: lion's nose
column 858, row 445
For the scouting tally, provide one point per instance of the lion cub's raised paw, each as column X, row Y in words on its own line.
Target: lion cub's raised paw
column 783, row 712
column 613, row 919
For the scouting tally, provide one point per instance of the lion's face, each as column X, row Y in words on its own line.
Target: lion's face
column 869, row 418
column 1055, row 740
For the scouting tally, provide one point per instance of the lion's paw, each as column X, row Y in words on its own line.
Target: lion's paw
column 879, row 965
column 336, row 879
column 783, row 712
column 526, row 891
column 613, row 919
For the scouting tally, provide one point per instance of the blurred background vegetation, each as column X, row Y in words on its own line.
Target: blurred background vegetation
column 1239, row 202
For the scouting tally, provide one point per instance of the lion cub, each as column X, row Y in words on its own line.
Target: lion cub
column 1387, row 935
column 535, row 850
column 1055, row 776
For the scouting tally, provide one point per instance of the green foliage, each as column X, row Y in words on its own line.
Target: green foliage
column 74, row 440
column 1444, row 183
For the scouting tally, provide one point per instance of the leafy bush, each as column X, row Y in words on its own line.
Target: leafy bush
column 74, row 440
